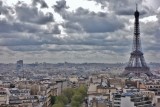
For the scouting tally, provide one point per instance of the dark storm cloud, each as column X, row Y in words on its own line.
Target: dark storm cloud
column 9, row 27
column 29, row 39
column 42, row 2
column 91, row 22
column 65, row 48
column 73, row 42
column 130, row 11
column 6, row 11
column 153, row 47
column 23, row 17
column 54, row 29
column 25, row 48
column 60, row 6
column 82, row 48
column 71, row 27
column 26, row 13
column 20, row 42
column 17, row 27
column 103, row 2
column 124, row 7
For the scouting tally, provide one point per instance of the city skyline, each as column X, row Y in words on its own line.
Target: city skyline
column 84, row 31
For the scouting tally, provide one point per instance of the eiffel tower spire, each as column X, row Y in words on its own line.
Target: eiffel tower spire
column 136, row 39
column 136, row 7
column 137, row 64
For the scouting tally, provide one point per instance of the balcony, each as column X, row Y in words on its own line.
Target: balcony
column 142, row 103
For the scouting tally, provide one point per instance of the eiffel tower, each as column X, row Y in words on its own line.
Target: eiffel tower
column 137, row 64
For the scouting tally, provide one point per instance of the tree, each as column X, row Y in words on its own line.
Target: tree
column 77, row 97
column 53, row 99
column 75, row 104
column 68, row 93
column 62, row 98
column 59, row 104
column 83, row 90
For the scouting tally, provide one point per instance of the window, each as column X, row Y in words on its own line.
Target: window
column 158, row 100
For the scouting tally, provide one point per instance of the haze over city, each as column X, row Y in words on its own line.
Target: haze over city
column 76, row 31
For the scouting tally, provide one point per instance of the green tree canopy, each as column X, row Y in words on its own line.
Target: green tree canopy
column 77, row 97
column 73, row 96
column 83, row 90
column 53, row 99
column 69, row 92
column 62, row 98
column 59, row 104
column 75, row 104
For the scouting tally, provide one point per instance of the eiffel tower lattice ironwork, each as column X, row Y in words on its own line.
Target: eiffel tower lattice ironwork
column 137, row 64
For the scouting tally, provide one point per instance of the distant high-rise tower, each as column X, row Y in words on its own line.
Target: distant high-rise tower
column 137, row 64
column 19, row 65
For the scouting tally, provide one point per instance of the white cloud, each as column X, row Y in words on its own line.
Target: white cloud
column 149, row 19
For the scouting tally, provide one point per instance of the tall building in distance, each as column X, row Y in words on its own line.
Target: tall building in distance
column 19, row 65
column 137, row 64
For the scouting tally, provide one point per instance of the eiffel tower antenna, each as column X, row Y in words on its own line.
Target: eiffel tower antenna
column 136, row 7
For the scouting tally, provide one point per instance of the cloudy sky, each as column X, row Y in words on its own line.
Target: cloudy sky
column 76, row 30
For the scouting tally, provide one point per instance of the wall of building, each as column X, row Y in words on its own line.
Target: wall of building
column 126, row 102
